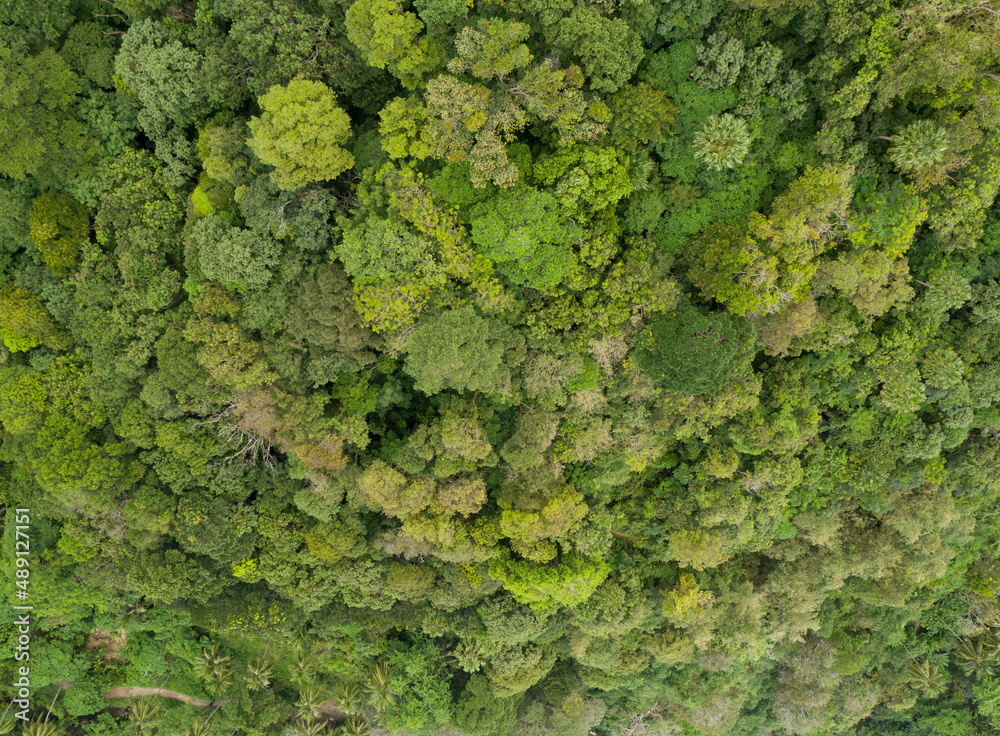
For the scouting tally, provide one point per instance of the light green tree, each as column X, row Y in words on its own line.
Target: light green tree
column 301, row 133
column 608, row 49
column 388, row 38
column 492, row 48
column 25, row 323
column 59, row 229
column 771, row 266
column 585, row 178
column 405, row 129
column 547, row 587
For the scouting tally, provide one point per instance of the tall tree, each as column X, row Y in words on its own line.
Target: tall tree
column 301, row 133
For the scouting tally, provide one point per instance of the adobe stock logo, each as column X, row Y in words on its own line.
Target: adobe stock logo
column 22, row 573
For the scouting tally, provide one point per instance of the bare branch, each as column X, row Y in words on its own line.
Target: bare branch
column 250, row 446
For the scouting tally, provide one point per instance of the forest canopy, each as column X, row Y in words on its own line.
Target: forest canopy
column 514, row 368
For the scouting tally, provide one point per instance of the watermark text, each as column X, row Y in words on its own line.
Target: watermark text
column 22, row 650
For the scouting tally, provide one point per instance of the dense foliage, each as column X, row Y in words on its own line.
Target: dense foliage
column 502, row 368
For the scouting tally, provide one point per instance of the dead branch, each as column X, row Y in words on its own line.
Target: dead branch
column 250, row 446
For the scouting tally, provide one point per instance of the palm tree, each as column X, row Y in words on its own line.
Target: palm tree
column 723, row 142
column 991, row 646
column 350, row 696
column 304, row 669
column 310, row 728
column 298, row 637
column 354, row 726
column 134, row 613
column 927, row 678
column 467, row 656
column 199, row 728
column 40, row 728
column 259, row 674
column 219, row 681
column 144, row 716
column 129, row 613
column 378, row 688
column 213, row 666
column 310, row 701
column 918, row 146
column 6, row 725
column 975, row 659
column 211, row 661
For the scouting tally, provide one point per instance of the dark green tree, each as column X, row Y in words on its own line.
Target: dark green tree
column 525, row 232
column 38, row 128
column 478, row 712
column 693, row 352
column 462, row 351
